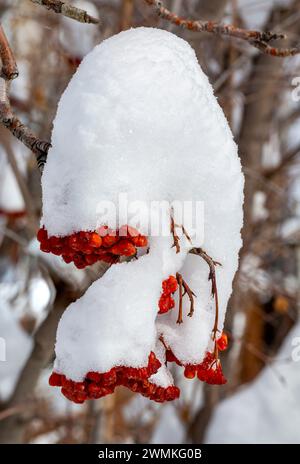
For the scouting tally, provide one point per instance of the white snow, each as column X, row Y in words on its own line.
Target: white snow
column 139, row 117
column 113, row 324
column 163, row 377
column 17, row 348
column 267, row 410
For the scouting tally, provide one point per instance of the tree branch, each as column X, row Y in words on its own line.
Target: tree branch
column 257, row 39
column 9, row 68
column 67, row 10
column 8, row 119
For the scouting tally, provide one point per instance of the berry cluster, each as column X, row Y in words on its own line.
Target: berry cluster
column 152, row 391
column 86, row 248
column 96, row 385
column 210, row 370
column 166, row 302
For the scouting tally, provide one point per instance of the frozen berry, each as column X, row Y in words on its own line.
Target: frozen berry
column 222, row 342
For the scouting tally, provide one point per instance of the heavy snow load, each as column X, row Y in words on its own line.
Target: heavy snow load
column 138, row 132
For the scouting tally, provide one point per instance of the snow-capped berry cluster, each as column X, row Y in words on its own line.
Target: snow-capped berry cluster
column 166, row 302
column 104, row 338
column 210, row 369
column 86, row 248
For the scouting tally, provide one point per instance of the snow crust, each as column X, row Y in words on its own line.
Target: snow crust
column 268, row 409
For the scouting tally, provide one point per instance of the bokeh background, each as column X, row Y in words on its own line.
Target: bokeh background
column 258, row 93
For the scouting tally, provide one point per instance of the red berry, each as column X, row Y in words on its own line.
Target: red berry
column 95, row 240
column 222, row 342
column 123, row 248
column 55, row 242
column 190, row 371
column 84, row 237
column 45, row 247
column 57, row 251
column 94, row 376
column 109, row 240
column 91, row 259
column 170, row 285
column 165, row 304
column 67, row 384
column 74, row 242
column 55, row 380
column 140, row 241
column 42, row 235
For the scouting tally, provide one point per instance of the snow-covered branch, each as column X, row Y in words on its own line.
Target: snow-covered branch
column 8, row 119
column 258, row 39
column 67, row 10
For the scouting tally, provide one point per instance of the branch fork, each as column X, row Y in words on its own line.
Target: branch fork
column 184, row 289
column 257, row 39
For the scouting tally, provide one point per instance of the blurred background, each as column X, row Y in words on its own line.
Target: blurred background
column 259, row 95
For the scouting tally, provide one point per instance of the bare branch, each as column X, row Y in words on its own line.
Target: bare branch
column 212, row 277
column 8, row 119
column 67, row 10
column 257, row 39
column 9, row 68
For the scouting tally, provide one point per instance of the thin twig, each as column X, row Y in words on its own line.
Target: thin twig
column 191, row 296
column 180, row 283
column 8, row 119
column 175, row 236
column 212, row 277
column 9, row 68
column 257, row 39
column 187, row 291
column 67, row 10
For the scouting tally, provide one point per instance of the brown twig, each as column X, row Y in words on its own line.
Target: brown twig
column 8, row 119
column 180, row 283
column 67, row 10
column 175, row 236
column 191, row 296
column 9, row 68
column 257, row 39
column 187, row 291
column 212, row 277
